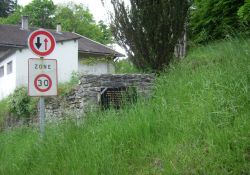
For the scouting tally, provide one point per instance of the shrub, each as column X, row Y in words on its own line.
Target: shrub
column 21, row 105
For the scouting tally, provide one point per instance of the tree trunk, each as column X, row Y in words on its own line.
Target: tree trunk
column 181, row 47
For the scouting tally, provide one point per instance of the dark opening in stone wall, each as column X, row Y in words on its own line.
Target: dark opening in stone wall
column 117, row 97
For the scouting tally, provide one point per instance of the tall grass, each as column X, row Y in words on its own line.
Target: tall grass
column 197, row 122
column 3, row 112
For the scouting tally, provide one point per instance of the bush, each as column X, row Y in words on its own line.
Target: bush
column 21, row 105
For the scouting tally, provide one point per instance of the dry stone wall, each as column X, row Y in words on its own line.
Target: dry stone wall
column 87, row 95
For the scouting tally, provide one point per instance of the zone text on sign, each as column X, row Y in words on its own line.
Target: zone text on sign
column 42, row 66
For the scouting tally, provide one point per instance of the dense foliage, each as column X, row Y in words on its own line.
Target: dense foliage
column 125, row 67
column 7, row 7
column 244, row 12
column 78, row 18
column 149, row 30
column 21, row 105
column 72, row 17
column 107, row 36
column 218, row 19
column 14, row 18
column 40, row 13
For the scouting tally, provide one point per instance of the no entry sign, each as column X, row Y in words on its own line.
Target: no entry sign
column 42, row 77
column 41, row 42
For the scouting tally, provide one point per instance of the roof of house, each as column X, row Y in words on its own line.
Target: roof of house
column 89, row 46
column 14, row 37
column 5, row 52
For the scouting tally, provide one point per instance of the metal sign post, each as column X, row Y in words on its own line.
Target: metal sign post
column 42, row 72
column 42, row 115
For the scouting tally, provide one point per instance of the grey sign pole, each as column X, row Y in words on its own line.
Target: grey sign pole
column 42, row 113
column 42, row 116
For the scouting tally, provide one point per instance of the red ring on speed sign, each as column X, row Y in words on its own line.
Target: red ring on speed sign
column 34, row 34
column 49, row 82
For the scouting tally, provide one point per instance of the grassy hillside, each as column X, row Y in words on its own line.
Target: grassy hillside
column 198, row 122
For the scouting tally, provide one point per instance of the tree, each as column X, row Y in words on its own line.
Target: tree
column 73, row 18
column 14, row 18
column 77, row 18
column 107, row 37
column 214, row 19
column 41, row 13
column 7, row 7
column 149, row 30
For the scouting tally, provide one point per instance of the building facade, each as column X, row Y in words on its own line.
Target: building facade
column 70, row 49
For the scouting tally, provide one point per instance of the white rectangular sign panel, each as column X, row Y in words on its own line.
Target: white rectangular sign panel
column 43, row 79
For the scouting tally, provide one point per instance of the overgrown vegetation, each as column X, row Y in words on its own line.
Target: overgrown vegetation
column 218, row 19
column 3, row 113
column 7, row 7
column 21, row 105
column 96, row 60
column 244, row 13
column 125, row 67
column 197, row 122
column 66, row 88
column 18, row 106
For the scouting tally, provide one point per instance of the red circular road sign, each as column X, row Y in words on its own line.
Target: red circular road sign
column 43, row 83
column 41, row 42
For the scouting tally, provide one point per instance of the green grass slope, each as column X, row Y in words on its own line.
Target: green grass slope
column 198, row 122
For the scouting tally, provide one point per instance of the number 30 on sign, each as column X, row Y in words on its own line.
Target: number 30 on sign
column 42, row 77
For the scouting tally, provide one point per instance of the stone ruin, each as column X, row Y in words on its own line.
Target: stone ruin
column 99, row 92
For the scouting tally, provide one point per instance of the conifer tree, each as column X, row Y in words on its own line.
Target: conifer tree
column 7, row 7
column 149, row 30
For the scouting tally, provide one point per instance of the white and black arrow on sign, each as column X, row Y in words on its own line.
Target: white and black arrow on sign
column 41, row 42
column 38, row 44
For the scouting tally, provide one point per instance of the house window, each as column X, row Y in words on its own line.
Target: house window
column 1, row 71
column 9, row 67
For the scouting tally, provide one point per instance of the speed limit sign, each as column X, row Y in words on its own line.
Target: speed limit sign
column 42, row 77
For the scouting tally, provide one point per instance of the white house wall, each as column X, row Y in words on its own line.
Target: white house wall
column 8, row 81
column 66, row 54
column 96, row 69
